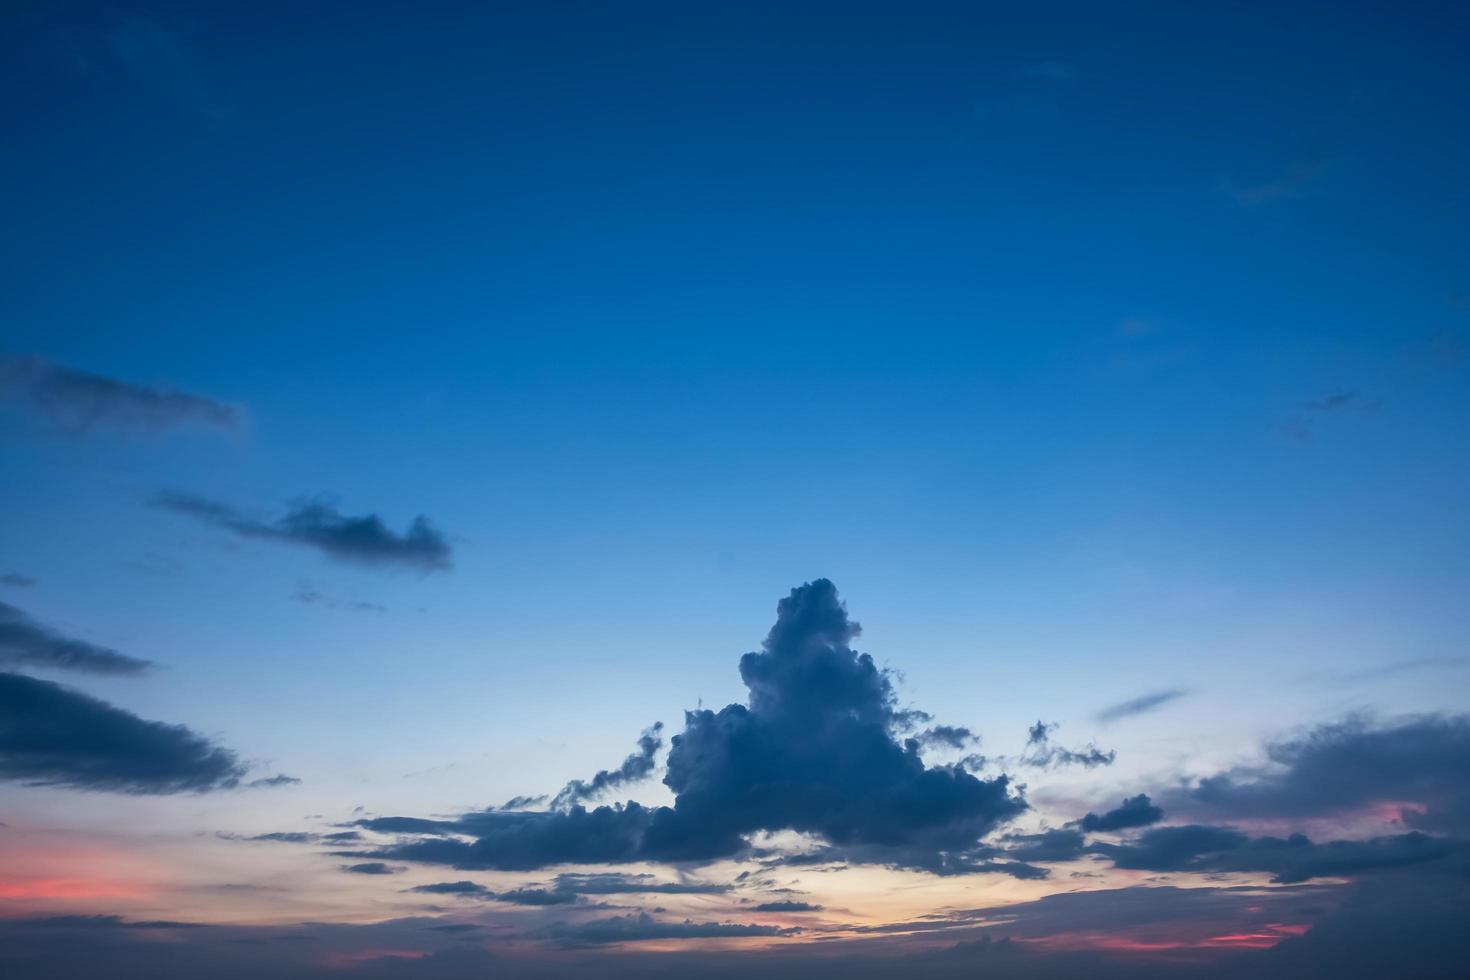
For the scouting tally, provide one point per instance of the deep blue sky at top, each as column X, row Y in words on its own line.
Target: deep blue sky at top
column 1007, row 317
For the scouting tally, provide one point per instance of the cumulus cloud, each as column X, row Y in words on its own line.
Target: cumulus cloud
column 1136, row 811
column 814, row 750
column 54, row 736
column 635, row 767
column 78, row 402
column 1139, row 705
column 26, row 643
column 362, row 540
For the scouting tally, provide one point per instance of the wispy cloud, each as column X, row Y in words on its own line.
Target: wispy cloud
column 55, row 736
column 363, row 540
column 1302, row 423
column 26, row 643
column 79, row 402
column 1139, row 705
column 312, row 597
column 1288, row 183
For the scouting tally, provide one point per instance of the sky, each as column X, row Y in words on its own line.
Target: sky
column 571, row 489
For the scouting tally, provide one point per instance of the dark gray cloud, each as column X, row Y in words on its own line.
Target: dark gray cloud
column 642, row 926
column 370, row 868
column 537, row 897
column 567, row 889
column 19, row 581
column 363, row 540
column 814, row 750
column 78, row 402
column 26, row 643
column 635, row 767
column 946, row 736
column 786, row 907
column 470, row 888
column 1139, row 705
column 1136, row 811
column 107, row 922
column 1050, row 845
column 1194, row 848
column 1332, row 769
column 635, row 884
column 54, row 736
column 1042, row 754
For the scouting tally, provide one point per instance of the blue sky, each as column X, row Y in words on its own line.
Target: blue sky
column 1091, row 350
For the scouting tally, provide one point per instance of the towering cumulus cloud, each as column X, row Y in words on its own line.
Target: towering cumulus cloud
column 817, row 748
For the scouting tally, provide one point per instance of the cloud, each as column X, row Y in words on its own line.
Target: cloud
column 1349, row 765
column 635, row 767
column 79, row 402
column 1301, row 425
column 364, row 540
column 1050, row 845
column 1289, row 183
column 537, row 897
column 640, row 884
column 107, row 922
column 642, row 927
column 567, row 889
column 19, row 581
column 814, row 750
column 786, row 907
column 1368, row 675
column 1136, row 811
column 946, row 736
column 54, row 736
column 311, row 597
column 453, row 888
column 1195, row 848
column 1041, row 754
column 369, row 868
column 1139, row 705
column 26, row 643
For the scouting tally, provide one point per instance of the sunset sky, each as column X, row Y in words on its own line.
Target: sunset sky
column 625, row 489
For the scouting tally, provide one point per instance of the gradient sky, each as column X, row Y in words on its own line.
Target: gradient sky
column 1100, row 354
